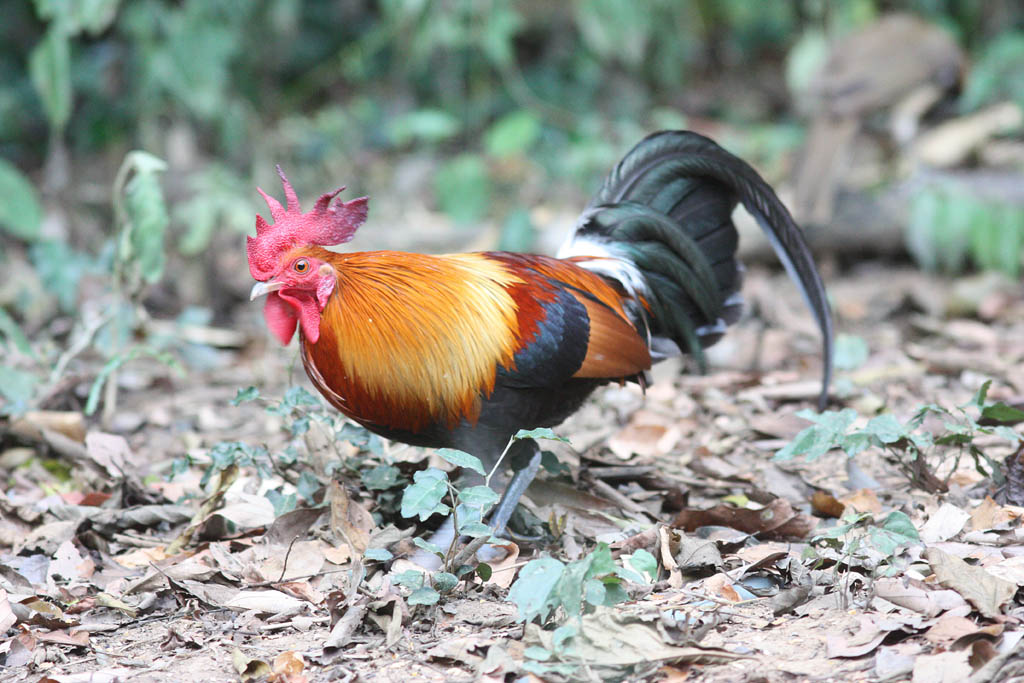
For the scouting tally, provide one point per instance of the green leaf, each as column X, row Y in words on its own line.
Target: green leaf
column 979, row 398
column 463, row 189
column 1000, row 412
column 423, row 497
column 538, row 433
column 478, row 496
column 533, row 591
column 424, row 596
column 49, row 66
column 428, row 546
column 462, row 459
column 147, row 216
column 643, row 562
column 381, row 477
column 245, row 395
column 850, row 352
column 117, row 361
column 17, row 387
column 517, row 231
column 594, row 592
column 298, row 396
column 484, row 571
column 282, row 502
column 513, row 134
column 410, row 578
column 20, row 212
column 378, row 554
column 10, row 331
column 474, row 529
column 886, row 428
column 308, row 486
column 427, row 125
column 75, row 16
column 61, row 268
column 562, row 635
column 538, row 653
column 444, row 581
column 827, row 433
column 895, row 532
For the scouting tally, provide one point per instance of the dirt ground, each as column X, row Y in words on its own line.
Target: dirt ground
column 94, row 590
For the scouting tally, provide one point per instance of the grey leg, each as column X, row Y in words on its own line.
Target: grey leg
column 513, row 492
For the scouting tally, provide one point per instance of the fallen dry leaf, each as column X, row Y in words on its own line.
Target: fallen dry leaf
column 777, row 520
column 349, row 520
column 249, row 668
column 944, row 523
column 945, row 667
column 987, row 593
column 862, row 500
column 914, row 596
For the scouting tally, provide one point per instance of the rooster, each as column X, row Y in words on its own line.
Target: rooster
column 464, row 350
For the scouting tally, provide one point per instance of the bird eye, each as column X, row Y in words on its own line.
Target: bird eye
column 301, row 266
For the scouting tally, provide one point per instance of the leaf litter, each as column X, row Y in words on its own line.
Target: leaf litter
column 900, row 558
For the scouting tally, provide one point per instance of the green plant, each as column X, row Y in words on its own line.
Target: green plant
column 860, row 538
column 948, row 226
column 559, row 594
column 911, row 444
column 426, row 497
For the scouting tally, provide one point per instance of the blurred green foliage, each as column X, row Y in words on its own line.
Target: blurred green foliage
column 507, row 104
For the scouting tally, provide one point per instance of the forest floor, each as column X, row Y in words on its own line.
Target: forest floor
column 903, row 561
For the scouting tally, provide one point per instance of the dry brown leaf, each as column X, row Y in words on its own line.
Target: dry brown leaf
column 862, row 500
column 983, row 516
column 987, row 593
column 7, row 618
column 648, row 434
column 249, row 668
column 777, row 520
column 948, row 628
column 288, row 668
column 945, row 667
column 1010, row 569
column 349, row 520
column 68, row 563
column 303, row 559
column 268, row 601
column 32, row 424
column 869, row 637
column 721, row 586
column 826, row 505
column 141, row 557
column 503, row 571
column 339, row 554
column 913, row 596
column 462, row 649
column 609, row 638
column 109, row 451
column 79, row 639
column 944, row 523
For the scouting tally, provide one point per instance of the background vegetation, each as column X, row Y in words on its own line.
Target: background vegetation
column 132, row 135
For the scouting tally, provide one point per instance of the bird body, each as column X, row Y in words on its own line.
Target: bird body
column 464, row 350
column 415, row 346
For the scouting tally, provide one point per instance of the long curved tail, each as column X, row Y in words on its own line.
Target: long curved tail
column 664, row 215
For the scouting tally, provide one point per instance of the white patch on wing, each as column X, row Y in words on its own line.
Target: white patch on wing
column 608, row 261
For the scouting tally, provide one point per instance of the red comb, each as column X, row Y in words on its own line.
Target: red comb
column 326, row 225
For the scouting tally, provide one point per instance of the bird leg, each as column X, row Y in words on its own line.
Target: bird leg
column 514, row 491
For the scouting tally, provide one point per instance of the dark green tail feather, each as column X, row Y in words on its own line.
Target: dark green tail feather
column 676, row 190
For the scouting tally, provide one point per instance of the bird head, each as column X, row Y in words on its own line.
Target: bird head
column 282, row 257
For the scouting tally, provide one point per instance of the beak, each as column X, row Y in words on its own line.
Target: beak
column 264, row 288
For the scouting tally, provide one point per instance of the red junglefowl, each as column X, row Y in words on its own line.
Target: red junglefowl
column 463, row 350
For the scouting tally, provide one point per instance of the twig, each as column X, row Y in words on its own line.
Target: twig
column 468, row 551
column 284, row 565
